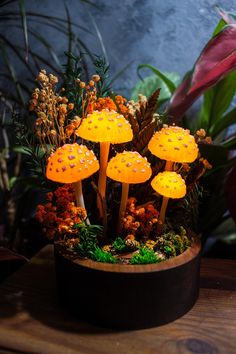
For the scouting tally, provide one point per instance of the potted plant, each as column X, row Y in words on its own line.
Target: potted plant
column 125, row 254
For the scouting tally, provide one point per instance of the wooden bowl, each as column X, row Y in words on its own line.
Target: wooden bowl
column 129, row 296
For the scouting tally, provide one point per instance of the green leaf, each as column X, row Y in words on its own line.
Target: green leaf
column 24, row 25
column 215, row 102
column 230, row 143
column 149, row 85
column 170, row 84
column 217, row 155
column 224, row 122
column 221, row 24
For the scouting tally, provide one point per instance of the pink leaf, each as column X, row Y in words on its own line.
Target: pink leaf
column 217, row 59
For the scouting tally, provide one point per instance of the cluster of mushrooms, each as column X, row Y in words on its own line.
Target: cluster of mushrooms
column 72, row 163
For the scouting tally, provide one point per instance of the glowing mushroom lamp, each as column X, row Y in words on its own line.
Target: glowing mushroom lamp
column 105, row 127
column 169, row 185
column 72, row 163
column 128, row 167
column 173, row 144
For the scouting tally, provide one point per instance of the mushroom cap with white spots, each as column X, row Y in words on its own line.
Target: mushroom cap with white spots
column 71, row 163
column 129, row 167
column 169, row 184
column 174, row 144
column 105, row 126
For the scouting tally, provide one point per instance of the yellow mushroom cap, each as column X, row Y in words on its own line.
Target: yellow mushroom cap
column 129, row 167
column 105, row 126
column 174, row 144
column 71, row 163
column 169, row 184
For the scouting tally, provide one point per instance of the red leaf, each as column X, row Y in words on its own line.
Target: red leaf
column 217, row 59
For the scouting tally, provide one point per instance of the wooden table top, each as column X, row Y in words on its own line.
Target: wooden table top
column 32, row 321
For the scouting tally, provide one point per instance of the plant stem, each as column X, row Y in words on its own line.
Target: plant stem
column 104, row 152
column 123, row 203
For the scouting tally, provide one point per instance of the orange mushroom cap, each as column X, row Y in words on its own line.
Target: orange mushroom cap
column 105, row 126
column 129, row 167
column 169, row 184
column 174, row 144
column 71, row 163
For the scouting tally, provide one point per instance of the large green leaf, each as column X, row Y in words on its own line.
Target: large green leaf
column 169, row 83
column 230, row 143
column 217, row 155
column 223, row 123
column 150, row 83
column 216, row 101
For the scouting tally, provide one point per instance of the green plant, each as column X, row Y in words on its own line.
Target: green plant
column 145, row 256
column 119, row 245
column 101, row 256
column 213, row 77
column 87, row 239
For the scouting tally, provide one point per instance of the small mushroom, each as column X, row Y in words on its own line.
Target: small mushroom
column 105, row 127
column 72, row 163
column 169, row 185
column 128, row 167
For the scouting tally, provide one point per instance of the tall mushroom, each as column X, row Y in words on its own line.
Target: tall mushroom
column 71, row 163
column 169, row 185
column 128, row 167
column 105, row 127
column 173, row 144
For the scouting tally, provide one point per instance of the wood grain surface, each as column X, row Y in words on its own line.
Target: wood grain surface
column 32, row 321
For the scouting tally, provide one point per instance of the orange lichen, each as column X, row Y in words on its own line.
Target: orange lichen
column 59, row 215
column 140, row 221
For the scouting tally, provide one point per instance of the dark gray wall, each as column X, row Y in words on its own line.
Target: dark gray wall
column 168, row 34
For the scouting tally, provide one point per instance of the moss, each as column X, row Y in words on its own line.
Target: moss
column 172, row 244
column 119, row 245
column 145, row 256
column 101, row 256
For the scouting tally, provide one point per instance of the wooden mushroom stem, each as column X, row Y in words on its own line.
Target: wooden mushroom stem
column 123, row 203
column 163, row 209
column 168, row 167
column 104, row 152
column 79, row 198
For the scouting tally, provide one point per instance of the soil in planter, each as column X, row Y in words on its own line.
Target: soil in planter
column 128, row 250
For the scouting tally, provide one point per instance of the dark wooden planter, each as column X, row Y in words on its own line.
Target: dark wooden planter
column 129, row 296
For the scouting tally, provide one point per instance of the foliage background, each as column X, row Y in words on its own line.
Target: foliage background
column 167, row 34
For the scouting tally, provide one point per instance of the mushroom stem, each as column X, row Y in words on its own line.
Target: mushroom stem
column 168, row 166
column 79, row 198
column 104, row 152
column 123, row 203
column 163, row 209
